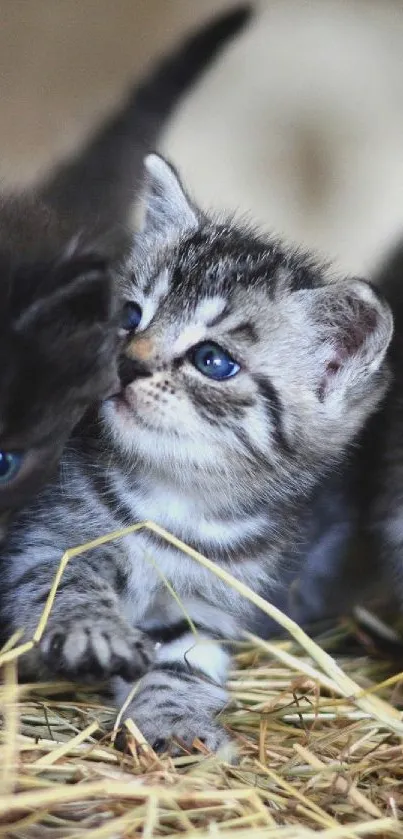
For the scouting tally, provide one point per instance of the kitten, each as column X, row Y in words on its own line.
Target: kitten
column 59, row 328
column 248, row 371
column 356, row 548
column 380, row 463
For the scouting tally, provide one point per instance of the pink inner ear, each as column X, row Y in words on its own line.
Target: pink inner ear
column 362, row 322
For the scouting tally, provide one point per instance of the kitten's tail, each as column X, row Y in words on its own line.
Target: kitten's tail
column 100, row 185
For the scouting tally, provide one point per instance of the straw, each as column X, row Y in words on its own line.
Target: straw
column 320, row 753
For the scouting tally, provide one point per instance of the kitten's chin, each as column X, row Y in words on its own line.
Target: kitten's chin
column 122, row 407
column 123, row 422
column 120, row 416
column 126, row 413
column 157, row 447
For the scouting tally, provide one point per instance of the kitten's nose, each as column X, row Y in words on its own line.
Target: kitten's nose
column 141, row 347
column 130, row 370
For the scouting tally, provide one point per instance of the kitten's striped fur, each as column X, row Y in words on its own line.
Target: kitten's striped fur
column 231, row 467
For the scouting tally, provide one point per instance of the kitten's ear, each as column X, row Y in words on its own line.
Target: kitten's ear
column 165, row 205
column 354, row 326
column 82, row 299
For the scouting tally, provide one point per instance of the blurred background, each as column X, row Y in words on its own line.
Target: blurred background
column 299, row 124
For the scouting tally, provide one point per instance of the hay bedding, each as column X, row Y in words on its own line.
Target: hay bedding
column 319, row 742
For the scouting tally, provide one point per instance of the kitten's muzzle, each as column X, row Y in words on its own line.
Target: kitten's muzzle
column 130, row 370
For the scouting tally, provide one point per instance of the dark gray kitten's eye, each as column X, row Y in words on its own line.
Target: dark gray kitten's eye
column 214, row 362
column 131, row 316
column 10, row 465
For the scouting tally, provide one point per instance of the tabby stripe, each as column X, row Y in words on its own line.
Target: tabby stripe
column 105, row 491
column 245, row 331
column 247, row 445
column 274, row 410
column 222, row 408
column 31, row 576
column 239, row 551
column 185, row 672
column 217, row 320
column 165, row 634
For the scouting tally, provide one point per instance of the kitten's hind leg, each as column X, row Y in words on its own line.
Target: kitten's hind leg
column 180, row 698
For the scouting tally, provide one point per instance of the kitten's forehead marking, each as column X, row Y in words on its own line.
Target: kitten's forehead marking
column 150, row 298
column 190, row 336
column 207, row 312
column 161, row 285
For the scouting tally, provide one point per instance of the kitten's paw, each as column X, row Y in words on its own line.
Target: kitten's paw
column 92, row 650
column 172, row 713
column 175, row 736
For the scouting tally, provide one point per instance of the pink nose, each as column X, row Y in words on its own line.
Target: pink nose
column 140, row 349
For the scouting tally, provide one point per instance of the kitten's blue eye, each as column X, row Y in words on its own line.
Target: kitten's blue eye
column 10, row 465
column 131, row 316
column 213, row 361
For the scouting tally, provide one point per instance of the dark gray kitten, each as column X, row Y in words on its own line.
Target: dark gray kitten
column 379, row 464
column 355, row 552
column 249, row 371
column 59, row 320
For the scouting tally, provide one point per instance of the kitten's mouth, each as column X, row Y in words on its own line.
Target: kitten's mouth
column 122, row 399
column 125, row 409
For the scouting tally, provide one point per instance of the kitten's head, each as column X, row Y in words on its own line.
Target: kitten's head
column 245, row 357
column 58, row 343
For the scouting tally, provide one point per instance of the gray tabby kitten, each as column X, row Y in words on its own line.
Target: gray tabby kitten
column 248, row 372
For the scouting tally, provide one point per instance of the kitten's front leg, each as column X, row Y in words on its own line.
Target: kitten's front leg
column 180, row 698
column 86, row 636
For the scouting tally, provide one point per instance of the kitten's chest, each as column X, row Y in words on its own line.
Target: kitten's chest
column 153, row 561
column 178, row 512
column 158, row 572
column 166, row 585
column 196, row 519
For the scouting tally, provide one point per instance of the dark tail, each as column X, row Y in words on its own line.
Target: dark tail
column 99, row 186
